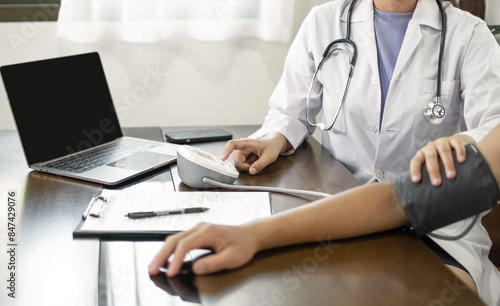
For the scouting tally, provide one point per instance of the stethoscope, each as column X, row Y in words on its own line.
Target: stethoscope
column 434, row 112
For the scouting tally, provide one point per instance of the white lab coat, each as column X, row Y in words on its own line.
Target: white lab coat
column 470, row 78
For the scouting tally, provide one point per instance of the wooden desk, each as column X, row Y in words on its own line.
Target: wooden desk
column 52, row 268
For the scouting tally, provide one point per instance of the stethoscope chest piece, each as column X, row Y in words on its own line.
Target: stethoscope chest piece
column 434, row 112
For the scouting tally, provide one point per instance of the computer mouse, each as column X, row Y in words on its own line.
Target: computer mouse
column 186, row 268
column 189, row 259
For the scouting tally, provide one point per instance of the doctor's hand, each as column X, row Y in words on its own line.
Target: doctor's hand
column 440, row 148
column 233, row 247
column 253, row 155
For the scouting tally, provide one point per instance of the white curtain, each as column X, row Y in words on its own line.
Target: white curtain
column 142, row 21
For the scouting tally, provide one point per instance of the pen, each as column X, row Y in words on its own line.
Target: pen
column 148, row 214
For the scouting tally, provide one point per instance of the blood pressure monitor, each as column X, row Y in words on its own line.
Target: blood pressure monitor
column 195, row 164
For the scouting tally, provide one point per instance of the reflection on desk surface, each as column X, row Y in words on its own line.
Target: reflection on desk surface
column 183, row 285
column 124, row 278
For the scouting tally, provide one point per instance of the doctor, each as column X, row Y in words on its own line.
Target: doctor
column 383, row 120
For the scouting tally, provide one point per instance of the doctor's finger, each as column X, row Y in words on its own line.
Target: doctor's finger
column 250, row 159
column 459, row 148
column 244, row 162
column 432, row 164
column 228, row 149
column 264, row 160
column 416, row 166
column 445, row 154
column 240, row 161
column 245, row 146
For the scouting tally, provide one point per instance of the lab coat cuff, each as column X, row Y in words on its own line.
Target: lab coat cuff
column 472, row 191
column 293, row 130
column 263, row 131
column 479, row 133
column 477, row 136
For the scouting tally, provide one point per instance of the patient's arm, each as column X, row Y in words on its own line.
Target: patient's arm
column 359, row 211
column 362, row 210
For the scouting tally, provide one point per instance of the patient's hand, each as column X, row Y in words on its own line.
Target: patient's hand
column 233, row 247
column 440, row 148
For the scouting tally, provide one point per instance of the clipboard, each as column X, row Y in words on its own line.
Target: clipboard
column 105, row 216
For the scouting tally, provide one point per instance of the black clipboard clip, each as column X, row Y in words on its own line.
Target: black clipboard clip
column 95, row 207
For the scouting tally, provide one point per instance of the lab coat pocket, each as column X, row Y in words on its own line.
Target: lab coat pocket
column 423, row 129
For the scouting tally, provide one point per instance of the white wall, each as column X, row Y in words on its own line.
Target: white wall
column 492, row 15
column 173, row 83
column 201, row 83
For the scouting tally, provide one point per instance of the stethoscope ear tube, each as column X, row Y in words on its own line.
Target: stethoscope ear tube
column 332, row 47
column 434, row 112
column 348, row 41
column 321, row 125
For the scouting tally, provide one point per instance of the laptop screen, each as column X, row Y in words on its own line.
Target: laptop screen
column 61, row 105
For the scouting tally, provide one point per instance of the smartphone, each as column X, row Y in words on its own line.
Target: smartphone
column 191, row 136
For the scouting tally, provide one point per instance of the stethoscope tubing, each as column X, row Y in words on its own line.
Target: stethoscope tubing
column 326, row 55
column 441, row 48
column 429, row 113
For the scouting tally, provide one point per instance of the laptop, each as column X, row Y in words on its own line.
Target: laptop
column 68, row 125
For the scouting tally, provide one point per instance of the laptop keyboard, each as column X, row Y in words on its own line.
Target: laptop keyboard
column 89, row 160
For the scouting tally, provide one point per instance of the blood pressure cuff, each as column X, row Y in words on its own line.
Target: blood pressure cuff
column 472, row 191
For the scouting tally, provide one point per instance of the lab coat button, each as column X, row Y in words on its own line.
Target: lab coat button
column 379, row 174
column 374, row 81
column 372, row 128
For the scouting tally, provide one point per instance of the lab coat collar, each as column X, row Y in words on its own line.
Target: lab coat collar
column 361, row 11
column 426, row 12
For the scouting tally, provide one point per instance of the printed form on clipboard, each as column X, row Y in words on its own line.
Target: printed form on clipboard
column 106, row 215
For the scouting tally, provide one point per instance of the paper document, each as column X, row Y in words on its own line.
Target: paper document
column 228, row 208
